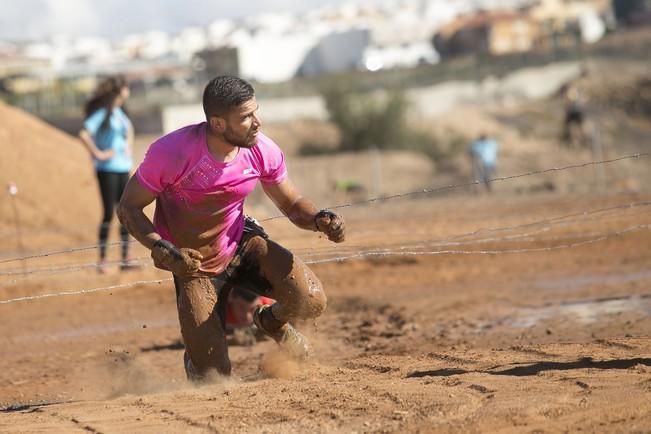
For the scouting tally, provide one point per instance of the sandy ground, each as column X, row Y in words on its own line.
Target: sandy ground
column 528, row 310
column 532, row 315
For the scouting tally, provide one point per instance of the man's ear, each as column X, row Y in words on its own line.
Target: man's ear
column 217, row 124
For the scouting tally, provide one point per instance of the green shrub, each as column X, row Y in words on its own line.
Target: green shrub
column 368, row 120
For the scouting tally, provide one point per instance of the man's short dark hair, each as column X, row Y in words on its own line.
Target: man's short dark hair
column 224, row 92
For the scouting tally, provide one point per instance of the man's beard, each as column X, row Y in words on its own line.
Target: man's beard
column 239, row 141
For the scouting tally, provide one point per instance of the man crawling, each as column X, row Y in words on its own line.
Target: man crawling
column 200, row 176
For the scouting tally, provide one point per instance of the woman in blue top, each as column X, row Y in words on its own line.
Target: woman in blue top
column 108, row 135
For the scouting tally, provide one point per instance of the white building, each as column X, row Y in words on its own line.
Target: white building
column 189, row 41
column 275, row 47
column 218, row 32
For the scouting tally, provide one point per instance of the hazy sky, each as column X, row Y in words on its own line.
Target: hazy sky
column 35, row 19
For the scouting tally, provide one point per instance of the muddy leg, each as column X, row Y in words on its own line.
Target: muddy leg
column 298, row 292
column 201, row 326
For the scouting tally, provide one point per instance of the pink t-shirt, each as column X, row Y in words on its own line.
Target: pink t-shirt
column 200, row 200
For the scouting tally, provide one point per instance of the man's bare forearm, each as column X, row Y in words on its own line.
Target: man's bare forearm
column 302, row 213
column 138, row 225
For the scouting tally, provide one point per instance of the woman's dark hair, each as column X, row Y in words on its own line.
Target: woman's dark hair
column 224, row 92
column 105, row 93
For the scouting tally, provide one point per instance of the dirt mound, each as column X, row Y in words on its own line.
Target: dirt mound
column 549, row 339
column 56, row 187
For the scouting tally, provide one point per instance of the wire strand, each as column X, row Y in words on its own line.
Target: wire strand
column 67, row 267
column 356, row 256
column 326, row 251
column 477, row 182
column 481, row 252
column 568, row 217
column 84, row 291
column 376, row 199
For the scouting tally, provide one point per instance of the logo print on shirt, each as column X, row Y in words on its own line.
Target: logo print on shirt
column 247, row 171
column 201, row 176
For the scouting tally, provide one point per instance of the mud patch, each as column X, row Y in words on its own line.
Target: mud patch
column 582, row 311
column 370, row 326
column 577, row 282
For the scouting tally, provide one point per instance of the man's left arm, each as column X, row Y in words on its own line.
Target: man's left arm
column 302, row 211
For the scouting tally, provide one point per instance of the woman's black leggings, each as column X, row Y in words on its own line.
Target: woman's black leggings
column 111, row 186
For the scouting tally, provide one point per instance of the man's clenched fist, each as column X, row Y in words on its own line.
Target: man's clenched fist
column 331, row 224
column 181, row 262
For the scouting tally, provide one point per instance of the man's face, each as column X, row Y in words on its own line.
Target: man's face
column 243, row 124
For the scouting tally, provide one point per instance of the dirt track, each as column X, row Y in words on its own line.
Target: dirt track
column 555, row 339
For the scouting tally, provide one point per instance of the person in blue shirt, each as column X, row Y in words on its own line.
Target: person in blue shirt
column 107, row 133
column 483, row 153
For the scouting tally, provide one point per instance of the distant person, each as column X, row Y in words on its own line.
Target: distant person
column 199, row 177
column 483, row 156
column 108, row 136
column 574, row 123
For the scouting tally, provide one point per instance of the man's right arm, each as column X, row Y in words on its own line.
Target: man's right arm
column 182, row 262
column 131, row 213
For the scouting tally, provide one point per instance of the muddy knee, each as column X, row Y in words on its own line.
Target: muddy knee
column 305, row 302
column 314, row 303
column 291, row 282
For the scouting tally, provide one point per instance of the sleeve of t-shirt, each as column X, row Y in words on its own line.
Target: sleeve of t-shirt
column 273, row 170
column 94, row 121
column 157, row 171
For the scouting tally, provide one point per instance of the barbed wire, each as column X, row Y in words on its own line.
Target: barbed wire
column 358, row 256
column 146, row 261
column 327, row 251
column 22, row 279
column 481, row 252
column 84, row 291
column 449, row 241
column 367, row 201
column 64, row 251
column 310, row 253
column 478, row 182
column 66, row 267
column 515, row 239
column 559, row 218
